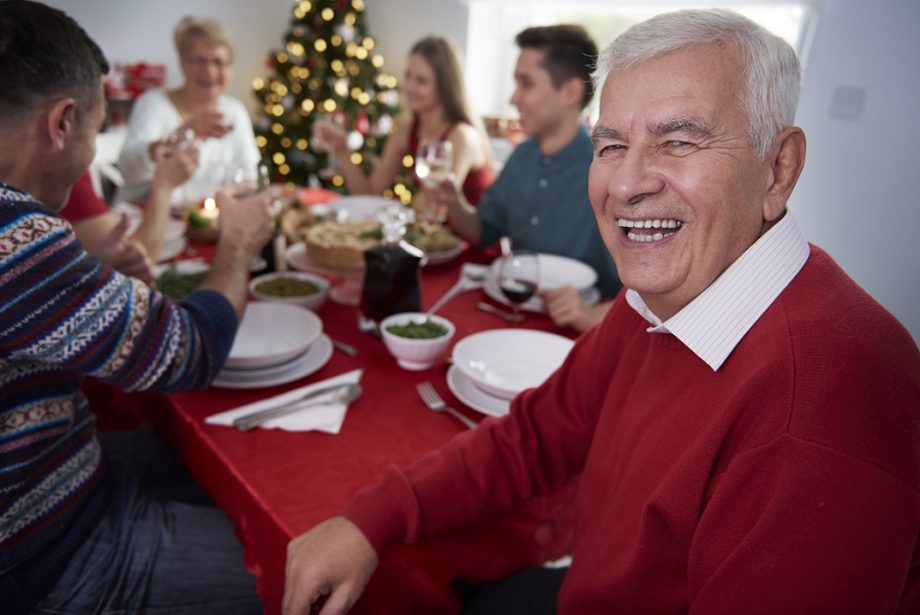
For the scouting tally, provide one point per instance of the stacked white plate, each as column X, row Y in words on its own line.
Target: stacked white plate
column 555, row 271
column 174, row 241
column 490, row 368
column 276, row 343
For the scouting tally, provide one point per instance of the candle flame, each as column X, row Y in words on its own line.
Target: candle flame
column 210, row 204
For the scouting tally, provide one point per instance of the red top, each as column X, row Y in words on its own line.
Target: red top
column 780, row 483
column 83, row 201
column 477, row 180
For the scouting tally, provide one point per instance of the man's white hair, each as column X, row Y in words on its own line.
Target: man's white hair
column 773, row 70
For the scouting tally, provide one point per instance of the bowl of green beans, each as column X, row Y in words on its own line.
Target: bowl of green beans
column 304, row 289
column 416, row 340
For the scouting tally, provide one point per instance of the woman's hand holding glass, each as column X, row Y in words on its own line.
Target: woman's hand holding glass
column 328, row 137
column 433, row 163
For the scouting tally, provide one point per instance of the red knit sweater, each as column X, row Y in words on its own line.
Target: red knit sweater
column 786, row 482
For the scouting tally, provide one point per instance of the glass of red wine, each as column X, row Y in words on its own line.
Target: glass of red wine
column 518, row 278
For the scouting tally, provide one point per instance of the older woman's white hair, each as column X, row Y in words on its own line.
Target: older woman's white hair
column 773, row 70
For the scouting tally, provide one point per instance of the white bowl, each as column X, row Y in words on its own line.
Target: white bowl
column 504, row 362
column 272, row 333
column 415, row 354
column 313, row 301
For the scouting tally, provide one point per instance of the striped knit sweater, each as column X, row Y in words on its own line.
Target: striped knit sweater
column 64, row 316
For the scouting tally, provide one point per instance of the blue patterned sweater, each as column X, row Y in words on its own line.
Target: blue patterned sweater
column 64, row 316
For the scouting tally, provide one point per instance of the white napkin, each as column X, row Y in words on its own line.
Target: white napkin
column 324, row 417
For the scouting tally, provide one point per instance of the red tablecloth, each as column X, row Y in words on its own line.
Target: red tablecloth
column 275, row 485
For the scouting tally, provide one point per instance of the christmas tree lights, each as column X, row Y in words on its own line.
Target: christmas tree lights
column 327, row 65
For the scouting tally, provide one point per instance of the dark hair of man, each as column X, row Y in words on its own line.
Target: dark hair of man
column 44, row 55
column 569, row 53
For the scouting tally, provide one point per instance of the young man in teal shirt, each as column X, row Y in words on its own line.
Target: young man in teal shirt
column 540, row 200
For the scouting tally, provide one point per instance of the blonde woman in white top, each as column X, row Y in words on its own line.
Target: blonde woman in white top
column 199, row 109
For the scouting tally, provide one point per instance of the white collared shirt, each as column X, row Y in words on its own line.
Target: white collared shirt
column 715, row 321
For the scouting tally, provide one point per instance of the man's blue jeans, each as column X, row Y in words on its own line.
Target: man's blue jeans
column 162, row 547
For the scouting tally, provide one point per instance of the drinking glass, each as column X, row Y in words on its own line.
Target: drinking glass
column 240, row 184
column 519, row 278
column 433, row 162
column 320, row 145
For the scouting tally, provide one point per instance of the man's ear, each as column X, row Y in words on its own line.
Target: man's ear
column 787, row 157
column 573, row 90
column 60, row 122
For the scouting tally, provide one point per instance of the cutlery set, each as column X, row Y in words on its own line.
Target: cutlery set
column 334, row 394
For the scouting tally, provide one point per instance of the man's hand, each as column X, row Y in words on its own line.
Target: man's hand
column 333, row 560
column 248, row 221
column 125, row 255
column 565, row 306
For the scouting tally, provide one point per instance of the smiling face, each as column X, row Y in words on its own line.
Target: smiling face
column 676, row 189
column 207, row 68
column 420, row 85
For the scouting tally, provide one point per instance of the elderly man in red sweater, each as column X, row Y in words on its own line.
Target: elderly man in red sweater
column 745, row 418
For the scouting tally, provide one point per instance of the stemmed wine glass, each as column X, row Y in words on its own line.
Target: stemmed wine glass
column 240, row 184
column 519, row 278
column 320, row 144
column 433, row 162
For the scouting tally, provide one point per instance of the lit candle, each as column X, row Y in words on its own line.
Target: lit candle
column 209, row 211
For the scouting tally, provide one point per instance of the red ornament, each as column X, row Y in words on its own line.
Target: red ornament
column 362, row 123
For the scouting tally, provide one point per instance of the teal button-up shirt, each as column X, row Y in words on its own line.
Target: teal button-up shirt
column 541, row 203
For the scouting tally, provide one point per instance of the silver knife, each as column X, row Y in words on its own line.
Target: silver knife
column 335, row 394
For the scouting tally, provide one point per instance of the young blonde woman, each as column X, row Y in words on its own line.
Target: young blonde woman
column 436, row 100
column 198, row 109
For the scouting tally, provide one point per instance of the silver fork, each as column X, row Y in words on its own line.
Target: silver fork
column 434, row 402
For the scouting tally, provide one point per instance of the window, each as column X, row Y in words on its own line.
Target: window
column 493, row 24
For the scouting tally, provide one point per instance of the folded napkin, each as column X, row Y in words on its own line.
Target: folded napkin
column 322, row 417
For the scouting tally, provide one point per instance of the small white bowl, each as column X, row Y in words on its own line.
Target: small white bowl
column 313, row 301
column 415, row 354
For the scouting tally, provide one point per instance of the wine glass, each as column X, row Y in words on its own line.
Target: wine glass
column 241, row 183
column 433, row 162
column 321, row 145
column 519, row 278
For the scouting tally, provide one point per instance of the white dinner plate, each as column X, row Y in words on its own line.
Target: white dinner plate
column 589, row 296
column 175, row 227
column 557, row 271
column 504, row 362
column 171, row 249
column 474, row 397
column 316, row 356
column 272, row 333
column 358, row 207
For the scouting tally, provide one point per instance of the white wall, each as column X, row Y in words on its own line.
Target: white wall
column 858, row 197
column 136, row 30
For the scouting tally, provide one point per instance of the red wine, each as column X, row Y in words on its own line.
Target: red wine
column 517, row 291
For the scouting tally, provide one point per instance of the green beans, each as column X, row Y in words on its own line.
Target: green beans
column 427, row 329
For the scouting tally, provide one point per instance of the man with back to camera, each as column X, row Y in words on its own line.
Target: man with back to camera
column 98, row 523
column 725, row 465
column 540, row 199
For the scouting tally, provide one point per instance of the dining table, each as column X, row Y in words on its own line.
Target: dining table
column 275, row 484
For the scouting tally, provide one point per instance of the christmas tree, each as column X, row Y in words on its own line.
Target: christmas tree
column 327, row 68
